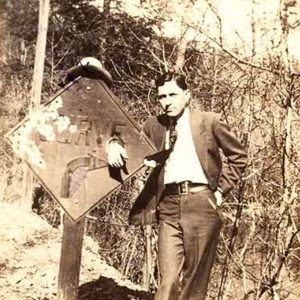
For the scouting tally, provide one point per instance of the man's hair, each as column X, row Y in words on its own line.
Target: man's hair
column 169, row 76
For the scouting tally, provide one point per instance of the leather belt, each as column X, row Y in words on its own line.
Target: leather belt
column 184, row 188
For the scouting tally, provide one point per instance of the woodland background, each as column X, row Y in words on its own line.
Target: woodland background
column 251, row 79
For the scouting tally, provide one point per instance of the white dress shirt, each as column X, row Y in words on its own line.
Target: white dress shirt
column 183, row 163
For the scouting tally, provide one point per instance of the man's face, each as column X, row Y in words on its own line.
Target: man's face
column 172, row 98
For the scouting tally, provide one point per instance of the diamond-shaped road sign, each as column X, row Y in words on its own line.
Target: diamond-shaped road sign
column 64, row 144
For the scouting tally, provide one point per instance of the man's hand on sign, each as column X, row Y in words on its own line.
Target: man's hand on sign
column 219, row 197
column 150, row 163
column 116, row 155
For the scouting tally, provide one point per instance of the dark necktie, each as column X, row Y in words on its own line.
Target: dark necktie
column 173, row 134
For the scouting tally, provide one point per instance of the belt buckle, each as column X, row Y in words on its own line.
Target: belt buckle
column 183, row 188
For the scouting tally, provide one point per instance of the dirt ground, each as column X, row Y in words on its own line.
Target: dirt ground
column 29, row 262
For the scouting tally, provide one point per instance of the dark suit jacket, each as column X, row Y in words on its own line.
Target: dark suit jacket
column 210, row 134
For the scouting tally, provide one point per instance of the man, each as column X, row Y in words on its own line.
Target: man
column 185, row 188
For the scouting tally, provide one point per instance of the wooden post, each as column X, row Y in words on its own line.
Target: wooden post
column 36, row 91
column 69, row 269
column 40, row 53
column 148, row 258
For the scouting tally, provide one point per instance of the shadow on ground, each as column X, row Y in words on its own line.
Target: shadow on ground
column 107, row 289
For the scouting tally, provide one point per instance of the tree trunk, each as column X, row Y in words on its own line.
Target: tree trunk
column 37, row 81
column 106, row 7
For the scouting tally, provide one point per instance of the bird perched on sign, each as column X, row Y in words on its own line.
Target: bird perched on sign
column 89, row 67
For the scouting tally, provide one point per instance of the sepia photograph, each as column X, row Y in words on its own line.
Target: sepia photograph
column 150, row 150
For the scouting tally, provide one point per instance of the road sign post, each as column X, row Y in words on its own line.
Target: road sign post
column 70, row 259
column 64, row 143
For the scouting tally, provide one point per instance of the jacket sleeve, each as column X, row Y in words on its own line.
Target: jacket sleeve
column 144, row 208
column 235, row 153
column 146, row 128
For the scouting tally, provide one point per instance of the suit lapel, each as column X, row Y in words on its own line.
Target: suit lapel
column 197, row 123
column 160, row 131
